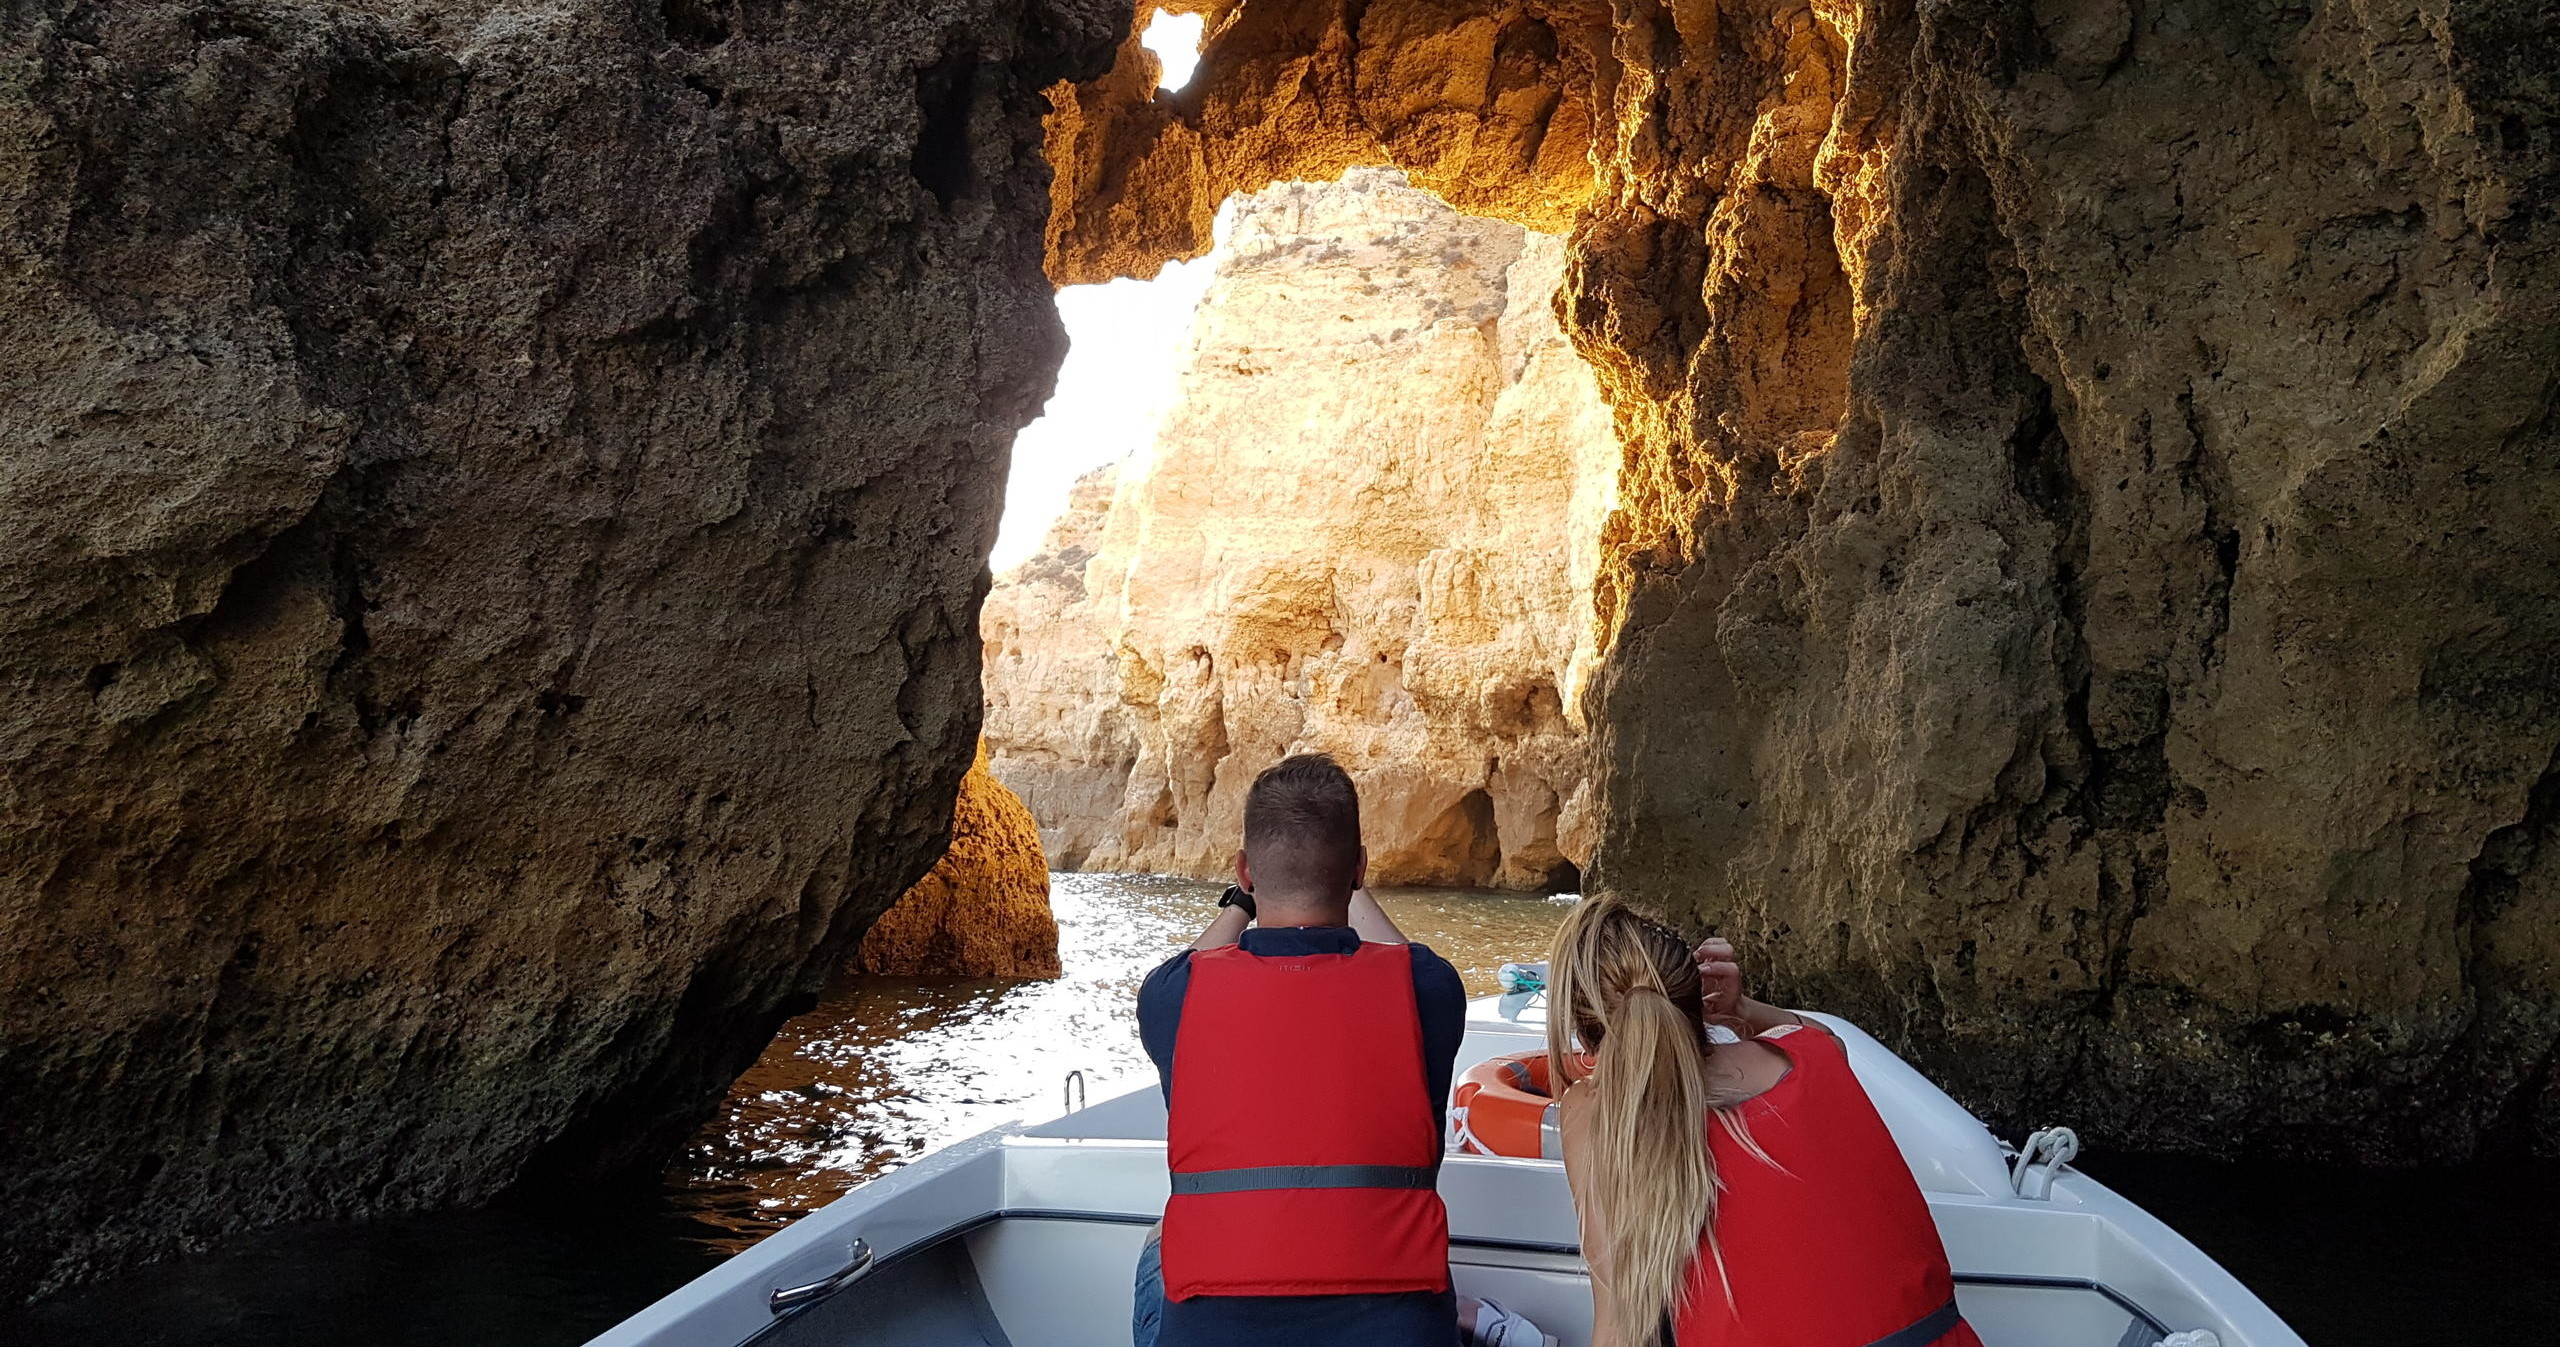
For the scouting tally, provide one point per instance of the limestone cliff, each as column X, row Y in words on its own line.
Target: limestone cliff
column 1057, row 733
column 2083, row 595
column 983, row 910
column 495, row 502
column 1367, row 528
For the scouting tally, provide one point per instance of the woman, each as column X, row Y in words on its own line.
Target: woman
column 1739, row 1194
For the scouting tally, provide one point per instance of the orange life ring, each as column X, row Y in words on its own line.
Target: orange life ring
column 1502, row 1106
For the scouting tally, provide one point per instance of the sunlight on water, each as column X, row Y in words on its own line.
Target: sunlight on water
column 886, row 1069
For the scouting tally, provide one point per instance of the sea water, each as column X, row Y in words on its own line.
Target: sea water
column 886, row 1069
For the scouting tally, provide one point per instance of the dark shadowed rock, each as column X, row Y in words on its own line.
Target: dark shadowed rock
column 495, row 504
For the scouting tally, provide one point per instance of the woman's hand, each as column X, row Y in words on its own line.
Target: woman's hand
column 1719, row 977
column 1721, row 994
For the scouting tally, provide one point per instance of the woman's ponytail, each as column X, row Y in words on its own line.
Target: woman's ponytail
column 1628, row 990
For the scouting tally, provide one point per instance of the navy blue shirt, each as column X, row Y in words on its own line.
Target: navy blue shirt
column 1398, row 1319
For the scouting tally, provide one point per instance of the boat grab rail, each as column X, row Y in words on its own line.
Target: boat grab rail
column 858, row 1260
column 863, row 1263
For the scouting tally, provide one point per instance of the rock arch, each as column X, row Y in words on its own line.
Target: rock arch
column 2030, row 420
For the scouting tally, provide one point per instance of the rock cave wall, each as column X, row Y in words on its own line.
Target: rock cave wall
column 498, row 497
column 2083, row 597
column 1368, row 527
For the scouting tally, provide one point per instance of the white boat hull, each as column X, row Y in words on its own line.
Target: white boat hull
column 1028, row 1235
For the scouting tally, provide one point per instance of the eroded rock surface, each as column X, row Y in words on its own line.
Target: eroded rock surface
column 495, row 502
column 2083, row 596
column 983, row 910
column 1367, row 528
column 1057, row 733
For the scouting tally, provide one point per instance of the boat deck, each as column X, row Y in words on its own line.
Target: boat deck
column 1028, row 1236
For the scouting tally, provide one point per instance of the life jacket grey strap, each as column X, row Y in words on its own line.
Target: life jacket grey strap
column 1266, row 1178
column 1939, row 1323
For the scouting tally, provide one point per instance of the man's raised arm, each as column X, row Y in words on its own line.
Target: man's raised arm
column 1225, row 931
column 1371, row 920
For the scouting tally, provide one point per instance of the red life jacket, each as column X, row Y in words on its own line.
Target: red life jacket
column 1329, row 1189
column 1831, row 1245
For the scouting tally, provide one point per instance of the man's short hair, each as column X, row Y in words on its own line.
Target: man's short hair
column 1302, row 828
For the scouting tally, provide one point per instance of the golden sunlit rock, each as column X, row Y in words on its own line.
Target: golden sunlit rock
column 983, row 910
column 1478, row 103
column 1367, row 529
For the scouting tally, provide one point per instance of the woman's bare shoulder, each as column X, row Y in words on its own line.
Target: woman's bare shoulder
column 1573, row 1105
column 1751, row 1067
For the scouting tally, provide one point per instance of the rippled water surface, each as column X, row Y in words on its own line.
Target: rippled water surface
column 886, row 1069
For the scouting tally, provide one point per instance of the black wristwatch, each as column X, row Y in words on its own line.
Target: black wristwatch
column 1237, row 897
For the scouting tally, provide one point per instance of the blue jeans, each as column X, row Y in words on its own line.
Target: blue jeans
column 1146, row 1310
column 1394, row 1319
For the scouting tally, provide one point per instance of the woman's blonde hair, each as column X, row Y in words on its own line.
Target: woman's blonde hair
column 1628, row 989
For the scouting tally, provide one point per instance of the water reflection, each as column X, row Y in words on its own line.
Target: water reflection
column 886, row 1069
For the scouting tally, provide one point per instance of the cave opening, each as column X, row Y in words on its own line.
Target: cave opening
column 1336, row 485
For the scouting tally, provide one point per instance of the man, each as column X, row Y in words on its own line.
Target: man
column 1305, row 1063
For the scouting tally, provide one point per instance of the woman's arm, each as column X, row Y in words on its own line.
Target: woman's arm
column 1371, row 920
column 1763, row 1017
